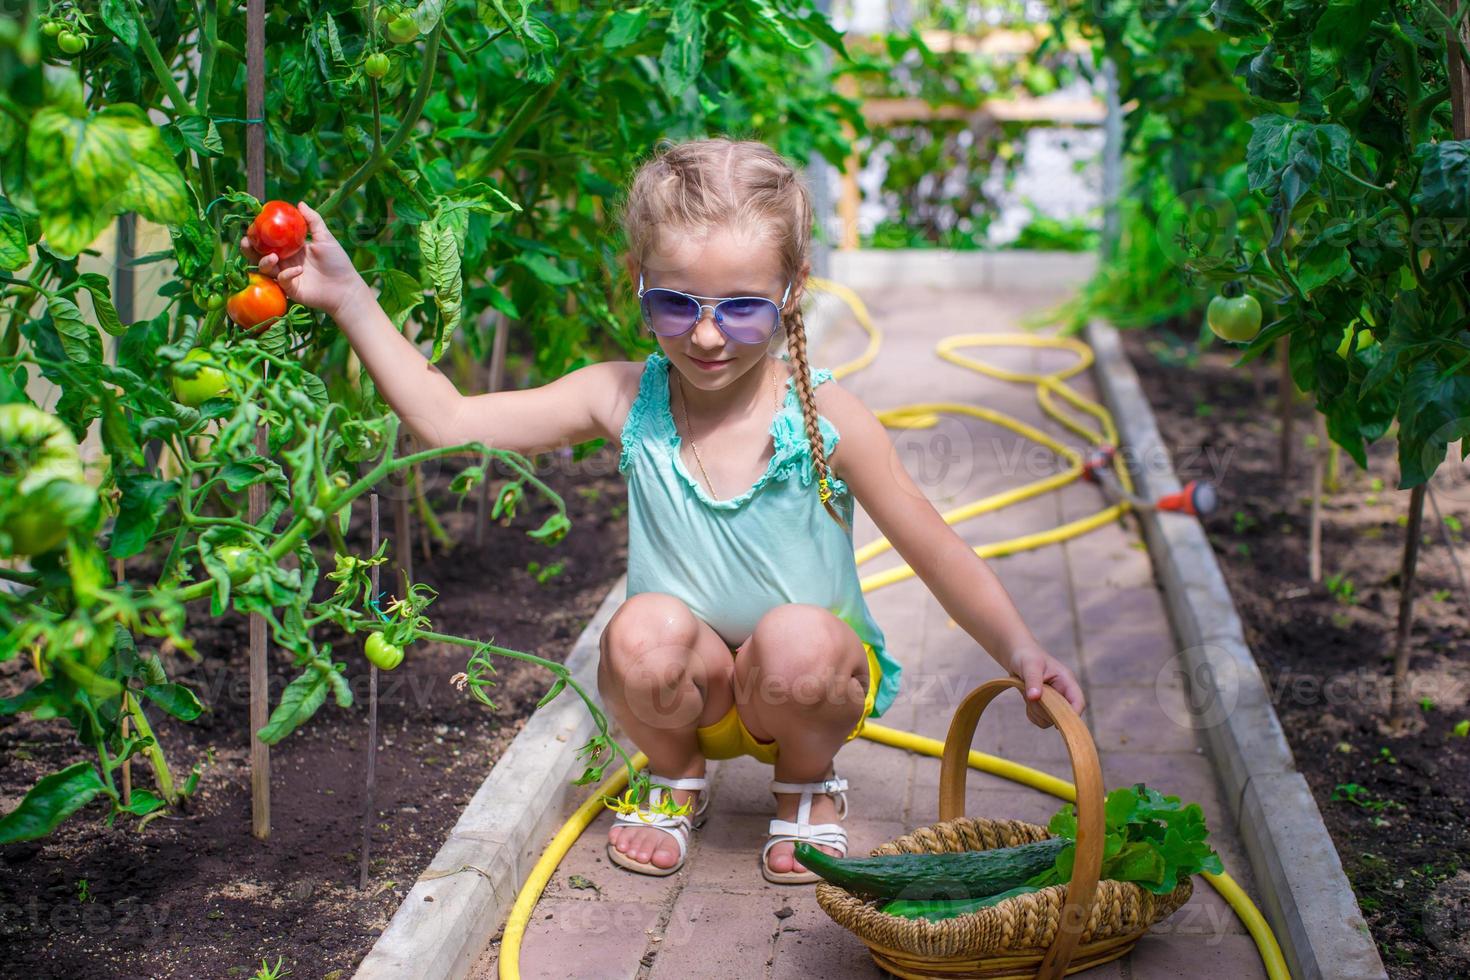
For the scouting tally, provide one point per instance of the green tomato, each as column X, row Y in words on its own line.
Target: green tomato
column 52, row 493
column 70, row 43
column 382, row 654
column 375, row 65
column 1237, row 319
column 402, row 29
column 233, row 556
column 208, row 382
column 51, row 28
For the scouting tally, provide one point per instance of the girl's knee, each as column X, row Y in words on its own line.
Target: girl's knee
column 651, row 630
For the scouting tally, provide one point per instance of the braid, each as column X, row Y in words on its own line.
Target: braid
column 796, row 341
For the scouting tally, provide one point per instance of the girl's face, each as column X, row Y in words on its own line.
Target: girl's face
column 712, row 265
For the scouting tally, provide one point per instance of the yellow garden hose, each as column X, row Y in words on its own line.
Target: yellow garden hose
column 1050, row 389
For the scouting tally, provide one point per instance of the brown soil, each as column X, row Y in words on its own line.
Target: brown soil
column 195, row 894
column 1395, row 802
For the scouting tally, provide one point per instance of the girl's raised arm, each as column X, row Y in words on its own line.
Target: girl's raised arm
column 580, row 406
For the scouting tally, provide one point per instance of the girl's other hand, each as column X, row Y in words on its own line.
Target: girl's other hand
column 1036, row 667
column 321, row 275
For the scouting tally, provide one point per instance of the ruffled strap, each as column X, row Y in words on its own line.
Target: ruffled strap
column 644, row 406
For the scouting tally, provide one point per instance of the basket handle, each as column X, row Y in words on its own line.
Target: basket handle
column 1086, row 772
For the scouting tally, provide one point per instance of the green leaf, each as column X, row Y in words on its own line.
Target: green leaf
column 142, row 803
column 561, row 683
column 683, row 53
column 200, row 135
column 1432, row 414
column 176, row 699
column 78, row 338
column 299, row 701
column 143, row 502
column 1444, row 179
column 50, row 801
column 625, row 27
column 400, row 296
column 441, row 259
column 117, row 437
column 1236, row 17
column 89, row 168
column 101, row 291
column 13, row 251
column 544, row 270
column 118, row 17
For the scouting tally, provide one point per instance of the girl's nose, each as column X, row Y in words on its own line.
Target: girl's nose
column 707, row 333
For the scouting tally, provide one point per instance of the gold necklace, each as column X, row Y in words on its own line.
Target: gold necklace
column 684, row 407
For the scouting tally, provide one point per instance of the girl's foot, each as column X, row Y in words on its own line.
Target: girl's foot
column 782, row 856
column 649, row 844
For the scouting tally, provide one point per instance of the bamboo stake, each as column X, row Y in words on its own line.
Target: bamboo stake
column 372, row 759
column 260, row 757
column 1285, row 397
column 1399, row 704
column 1449, row 545
column 495, row 383
column 1314, row 545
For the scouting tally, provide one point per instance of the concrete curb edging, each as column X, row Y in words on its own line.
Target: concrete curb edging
column 467, row 891
column 1308, row 899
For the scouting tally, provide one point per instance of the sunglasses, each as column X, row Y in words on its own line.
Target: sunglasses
column 743, row 319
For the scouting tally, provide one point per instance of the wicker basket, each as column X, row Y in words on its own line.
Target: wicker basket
column 1050, row 933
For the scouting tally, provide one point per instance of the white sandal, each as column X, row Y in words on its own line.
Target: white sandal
column 829, row 834
column 677, row 827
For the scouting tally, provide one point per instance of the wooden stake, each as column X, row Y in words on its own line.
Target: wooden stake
column 1449, row 545
column 402, row 530
column 1314, row 544
column 495, row 382
column 372, row 759
column 1286, row 398
column 1399, row 706
column 260, row 753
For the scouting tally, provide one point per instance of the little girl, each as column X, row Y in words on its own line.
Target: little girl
column 744, row 631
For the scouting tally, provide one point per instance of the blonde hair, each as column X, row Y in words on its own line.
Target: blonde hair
column 720, row 182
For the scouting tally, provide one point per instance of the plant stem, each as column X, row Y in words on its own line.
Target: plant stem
column 160, row 68
column 161, row 773
column 405, row 126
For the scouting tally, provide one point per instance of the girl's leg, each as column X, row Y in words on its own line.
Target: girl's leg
column 663, row 673
column 801, row 680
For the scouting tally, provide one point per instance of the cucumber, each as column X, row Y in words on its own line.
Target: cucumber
column 966, row 874
column 936, row 910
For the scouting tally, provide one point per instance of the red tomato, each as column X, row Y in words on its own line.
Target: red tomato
column 256, row 306
column 278, row 230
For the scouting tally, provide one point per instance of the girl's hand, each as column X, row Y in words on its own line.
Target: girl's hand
column 1036, row 667
column 321, row 275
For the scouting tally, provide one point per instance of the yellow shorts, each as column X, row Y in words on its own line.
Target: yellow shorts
column 729, row 738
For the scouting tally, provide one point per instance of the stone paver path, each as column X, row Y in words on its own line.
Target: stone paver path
column 1092, row 601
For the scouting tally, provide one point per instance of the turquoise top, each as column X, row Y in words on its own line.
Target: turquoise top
column 731, row 561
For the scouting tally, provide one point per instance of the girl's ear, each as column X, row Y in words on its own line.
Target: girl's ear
column 798, row 286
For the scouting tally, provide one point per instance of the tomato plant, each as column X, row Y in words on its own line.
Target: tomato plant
column 429, row 219
column 382, row 654
column 256, row 306
column 279, row 229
